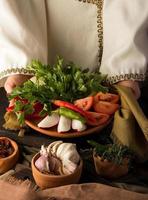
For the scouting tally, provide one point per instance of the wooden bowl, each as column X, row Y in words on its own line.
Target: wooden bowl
column 110, row 169
column 48, row 181
column 8, row 162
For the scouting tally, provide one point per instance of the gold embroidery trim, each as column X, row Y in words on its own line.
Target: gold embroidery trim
column 121, row 77
column 99, row 4
column 16, row 71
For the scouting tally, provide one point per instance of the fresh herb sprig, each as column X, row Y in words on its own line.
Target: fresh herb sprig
column 113, row 152
column 67, row 82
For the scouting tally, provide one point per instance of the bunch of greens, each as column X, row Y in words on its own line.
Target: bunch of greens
column 113, row 152
column 64, row 82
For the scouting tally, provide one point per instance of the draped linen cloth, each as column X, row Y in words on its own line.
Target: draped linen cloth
column 89, row 191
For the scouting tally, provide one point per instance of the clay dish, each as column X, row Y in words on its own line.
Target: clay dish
column 8, row 162
column 109, row 169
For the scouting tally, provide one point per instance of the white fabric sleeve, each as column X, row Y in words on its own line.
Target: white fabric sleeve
column 125, row 52
column 23, row 35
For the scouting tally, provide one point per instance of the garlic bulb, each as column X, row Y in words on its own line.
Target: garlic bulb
column 67, row 153
column 42, row 162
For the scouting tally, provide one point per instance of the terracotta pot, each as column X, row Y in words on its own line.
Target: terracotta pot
column 48, row 181
column 8, row 162
column 109, row 169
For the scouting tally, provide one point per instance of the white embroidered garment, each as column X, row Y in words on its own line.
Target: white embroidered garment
column 80, row 31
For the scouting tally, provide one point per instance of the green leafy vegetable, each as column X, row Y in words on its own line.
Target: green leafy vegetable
column 64, row 82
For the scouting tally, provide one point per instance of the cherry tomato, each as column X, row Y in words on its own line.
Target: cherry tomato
column 99, row 117
column 85, row 103
column 105, row 107
column 108, row 97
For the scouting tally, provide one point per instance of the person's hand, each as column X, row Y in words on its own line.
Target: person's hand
column 13, row 81
column 134, row 85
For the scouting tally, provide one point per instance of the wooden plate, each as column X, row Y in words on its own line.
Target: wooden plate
column 70, row 134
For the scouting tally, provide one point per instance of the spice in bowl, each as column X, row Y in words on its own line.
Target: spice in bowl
column 6, row 148
column 9, row 154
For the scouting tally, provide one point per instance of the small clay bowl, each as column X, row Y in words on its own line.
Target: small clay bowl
column 110, row 169
column 48, row 181
column 8, row 162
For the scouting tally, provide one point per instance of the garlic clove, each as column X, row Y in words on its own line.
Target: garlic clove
column 55, row 147
column 61, row 150
column 78, row 125
column 52, row 148
column 43, row 151
column 55, row 165
column 49, row 121
column 51, row 164
column 69, row 167
column 64, row 124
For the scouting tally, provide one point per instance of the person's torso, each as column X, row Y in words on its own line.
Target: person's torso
column 75, row 31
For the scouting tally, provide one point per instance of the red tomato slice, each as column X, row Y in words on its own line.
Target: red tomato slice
column 108, row 97
column 100, row 118
column 85, row 103
column 105, row 107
